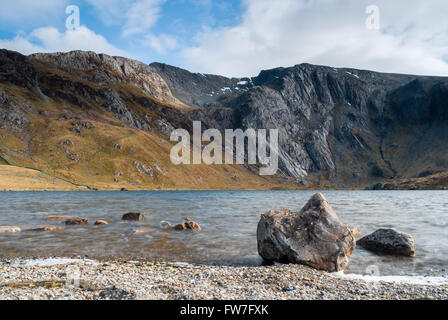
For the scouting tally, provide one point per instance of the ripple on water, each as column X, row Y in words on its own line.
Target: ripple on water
column 228, row 219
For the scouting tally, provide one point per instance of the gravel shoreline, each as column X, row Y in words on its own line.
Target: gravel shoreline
column 121, row 280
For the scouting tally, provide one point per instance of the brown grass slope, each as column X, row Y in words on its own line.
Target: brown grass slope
column 71, row 142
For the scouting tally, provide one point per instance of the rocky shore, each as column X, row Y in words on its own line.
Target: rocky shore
column 80, row 279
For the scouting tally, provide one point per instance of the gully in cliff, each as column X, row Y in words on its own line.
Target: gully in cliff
column 257, row 147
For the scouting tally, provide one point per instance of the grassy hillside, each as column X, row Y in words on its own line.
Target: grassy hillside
column 19, row 179
column 93, row 150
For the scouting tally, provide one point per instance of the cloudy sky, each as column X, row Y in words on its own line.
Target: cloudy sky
column 239, row 37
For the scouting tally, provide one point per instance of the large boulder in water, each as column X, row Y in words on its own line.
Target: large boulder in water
column 389, row 241
column 314, row 237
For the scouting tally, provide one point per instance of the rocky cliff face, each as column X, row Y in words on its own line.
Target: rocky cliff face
column 337, row 127
column 103, row 69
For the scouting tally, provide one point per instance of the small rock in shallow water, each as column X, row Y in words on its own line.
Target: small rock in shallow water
column 48, row 228
column 187, row 225
column 133, row 216
column 179, row 227
column 165, row 224
column 101, row 222
column 75, row 222
column 9, row 229
column 389, row 241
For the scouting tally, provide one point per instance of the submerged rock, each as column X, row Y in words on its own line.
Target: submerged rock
column 314, row 237
column 143, row 231
column 389, row 241
column 60, row 218
column 9, row 229
column 75, row 222
column 47, row 228
column 165, row 224
column 133, row 216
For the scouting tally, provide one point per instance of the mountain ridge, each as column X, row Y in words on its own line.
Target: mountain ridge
column 339, row 127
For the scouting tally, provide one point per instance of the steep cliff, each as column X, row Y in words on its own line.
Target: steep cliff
column 339, row 127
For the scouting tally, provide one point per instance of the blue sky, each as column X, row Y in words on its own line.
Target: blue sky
column 240, row 37
column 180, row 19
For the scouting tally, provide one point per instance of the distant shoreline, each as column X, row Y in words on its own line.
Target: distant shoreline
column 211, row 190
column 25, row 179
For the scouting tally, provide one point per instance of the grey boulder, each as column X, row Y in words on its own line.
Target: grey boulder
column 314, row 237
column 389, row 241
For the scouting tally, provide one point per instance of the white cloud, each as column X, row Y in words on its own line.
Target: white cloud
column 111, row 12
column 135, row 16
column 141, row 16
column 160, row 43
column 412, row 39
column 52, row 40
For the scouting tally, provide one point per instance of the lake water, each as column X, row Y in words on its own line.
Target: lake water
column 228, row 220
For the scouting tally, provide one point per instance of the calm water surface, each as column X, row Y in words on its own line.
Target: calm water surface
column 228, row 219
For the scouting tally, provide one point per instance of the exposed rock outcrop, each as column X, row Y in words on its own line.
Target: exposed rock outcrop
column 197, row 89
column 17, row 69
column 314, row 236
column 12, row 117
column 389, row 241
column 103, row 69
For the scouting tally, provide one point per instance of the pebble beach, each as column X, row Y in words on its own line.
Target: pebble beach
column 83, row 279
